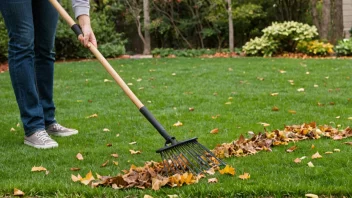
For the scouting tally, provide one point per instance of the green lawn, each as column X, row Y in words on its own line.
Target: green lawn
column 169, row 87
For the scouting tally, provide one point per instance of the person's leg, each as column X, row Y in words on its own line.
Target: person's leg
column 45, row 19
column 19, row 22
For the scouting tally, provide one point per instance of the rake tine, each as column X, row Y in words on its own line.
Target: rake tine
column 173, row 157
column 204, row 153
column 212, row 154
column 195, row 156
column 189, row 161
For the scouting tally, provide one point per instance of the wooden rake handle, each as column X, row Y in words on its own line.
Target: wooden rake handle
column 97, row 54
column 169, row 139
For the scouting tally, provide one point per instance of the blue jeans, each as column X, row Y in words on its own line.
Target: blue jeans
column 31, row 26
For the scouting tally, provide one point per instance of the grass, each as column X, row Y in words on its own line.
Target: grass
column 169, row 87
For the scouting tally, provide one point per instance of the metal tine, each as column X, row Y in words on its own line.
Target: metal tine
column 211, row 153
column 200, row 161
column 183, row 158
column 174, row 165
column 165, row 162
column 202, row 152
column 173, row 157
column 195, row 156
column 190, row 161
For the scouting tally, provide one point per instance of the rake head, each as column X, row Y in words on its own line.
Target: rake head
column 188, row 156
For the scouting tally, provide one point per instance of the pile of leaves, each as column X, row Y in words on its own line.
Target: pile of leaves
column 266, row 140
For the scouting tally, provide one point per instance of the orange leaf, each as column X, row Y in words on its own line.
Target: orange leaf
column 291, row 149
column 133, row 152
column 244, row 176
column 115, row 155
column 79, row 156
column 214, row 131
column 177, row 124
column 88, row 178
column 17, row 192
column 75, row 169
column 105, row 163
column 37, row 169
column 297, row 160
column 227, row 170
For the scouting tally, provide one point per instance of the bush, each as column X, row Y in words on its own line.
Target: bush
column 260, row 47
column 289, row 33
column 3, row 40
column 344, row 47
column 315, row 47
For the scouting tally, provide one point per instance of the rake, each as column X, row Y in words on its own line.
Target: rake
column 177, row 157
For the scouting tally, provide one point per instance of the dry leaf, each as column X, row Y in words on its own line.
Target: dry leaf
column 228, row 103
column 275, row 108
column 87, row 179
column 116, row 163
column 147, row 196
column 300, row 90
column 311, row 195
column 12, row 129
column 106, row 130
column 105, row 163
column 328, row 152
column 213, row 180
column 336, row 150
column 244, row 176
column 348, row 143
column 214, row 131
column 210, row 171
column 17, row 192
column 38, row 169
column 274, row 94
column 177, row 124
column 115, row 155
column 75, row 169
column 291, row 149
column 312, row 147
column 228, row 169
column 79, row 156
column 310, row 164
column 92, row 116
column 297, row 160
column 292, row 111
column 108, row 144
column 131, row 143
column 133, row 152
column 316, row 86
column 316, row 156
column 107, row 80
column 172, row 196
column 264, row 124
column 191, row 109
column 117, row 135
column 282, row 71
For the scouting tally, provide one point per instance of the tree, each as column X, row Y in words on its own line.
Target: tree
column 146, row 42
column 231, row 38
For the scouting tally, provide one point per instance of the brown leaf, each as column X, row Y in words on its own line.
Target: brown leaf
column 210, row 171
column 213, row 180
column 75, row 169
column 133, row 152
column 105, row 163
column 275, row 108
column 291, row 149
column 17, row 192
column 115, row 155
column 38, row 169
column 316, row 156
column 79, row 156
column 244, row 176
column 348, row 143
column 191, row 109
column 214, row 131
column 297, row 160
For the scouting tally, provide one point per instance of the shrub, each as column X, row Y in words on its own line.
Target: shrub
column 289, row 33
column 315, row 47
column 344, row 47
column 260, row 47
column 3, row 40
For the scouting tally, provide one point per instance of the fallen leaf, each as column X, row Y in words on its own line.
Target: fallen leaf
column 132, row 143
column 191, row 109
column 316, row 86
column 264, row 124
column 115, row 155
column 282, row 71
column 274, row 94
column 337, row 150
column 244, row 176
column 88, row 178
column 116, row 163
column 316, row 156
column 172, row 196
column 79, row 156
column 17, row 192
column 12, row 129
column 147, row 196
column 107, row 80
column 348, row 143
column 105, row 163
column 210, row 171
column 228, row 103
column 177, row 124
column 291, row 149
column 117, row 135
column 227, row 170
column 328, row 152
column 292, row 111
column 109, row 145
column 213, row 180
column 310, row 164
column 38, row 169
column 275, row 108
column 302, row 158
column 133, row 152
column 311, row 195
column 300, row 90
column 106, row 130
column 92, row 116
column 75, row 169
column 297, row 160
column 76, row 178
column 312, row 147
column 18, row 125
column 214, row 131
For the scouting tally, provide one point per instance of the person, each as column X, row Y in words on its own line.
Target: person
column 31, row 27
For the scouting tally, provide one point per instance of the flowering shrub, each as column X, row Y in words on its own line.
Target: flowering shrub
column 315, row 47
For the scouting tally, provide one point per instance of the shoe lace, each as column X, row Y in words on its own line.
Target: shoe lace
column 43, row 136
column 57, row 126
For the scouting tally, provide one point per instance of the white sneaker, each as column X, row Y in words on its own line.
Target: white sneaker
column 40, row 140
column 58, row 130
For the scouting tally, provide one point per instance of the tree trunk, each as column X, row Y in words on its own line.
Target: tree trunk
column 231, row 39
column 338, row 21
column 326, row 19
column 147, row 47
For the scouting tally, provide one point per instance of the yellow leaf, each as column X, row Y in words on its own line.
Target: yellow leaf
column 212, row 180
column 244, row 176
column 12, row 129
column 172, row 196
column 274, row 94
column 292, row 111
column 177, row 124
column 228, row 103
column 316, row 156
column 116, row 163
column 291, row 149
column 17, row 192
column 131, row 143
column 214, row 131
column 310, row 164
column 328, row 152
column 311, row 195
column 106, row 130
column 275, row 108
column 336, row 150
column 228, row 169
column 76, row 178
column 147, row 196
column 312, row 147
column 79, row 156
column 39, row 168
column 133, row 152
column 88, row 178
column 92, row 116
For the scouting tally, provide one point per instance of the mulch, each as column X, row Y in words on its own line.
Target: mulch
column 4, row 67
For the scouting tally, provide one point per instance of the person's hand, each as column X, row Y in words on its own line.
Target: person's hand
column 88, row 34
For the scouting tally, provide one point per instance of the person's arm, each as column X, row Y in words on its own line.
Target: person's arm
column 81, row 10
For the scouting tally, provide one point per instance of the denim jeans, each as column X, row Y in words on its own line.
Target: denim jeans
column 31, row 26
